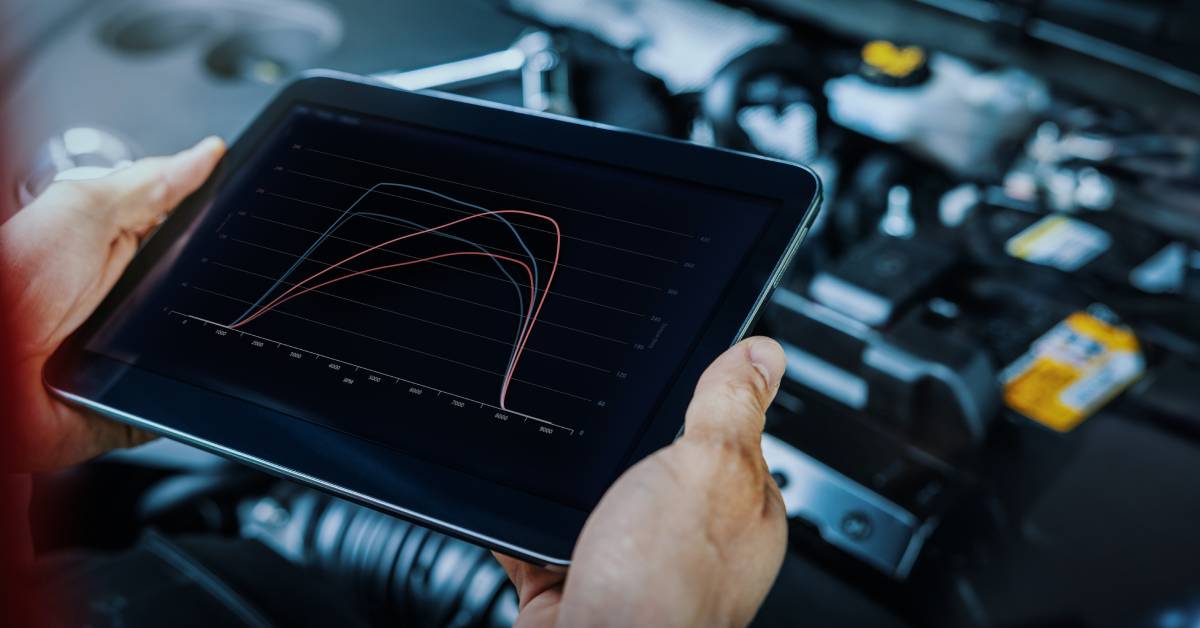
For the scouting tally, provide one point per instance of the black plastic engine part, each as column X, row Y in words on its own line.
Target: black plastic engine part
column 399, row 572
column 800, row 78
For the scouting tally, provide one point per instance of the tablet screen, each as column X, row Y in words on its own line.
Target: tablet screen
column 513, row 314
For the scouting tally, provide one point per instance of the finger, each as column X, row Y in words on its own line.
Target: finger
column 733, row 393
column 512, row 566
column 145, row 191
column 94, row 435
column 529, row 580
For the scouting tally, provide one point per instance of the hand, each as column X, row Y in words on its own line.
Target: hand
column 693, row 535
column 59, row 257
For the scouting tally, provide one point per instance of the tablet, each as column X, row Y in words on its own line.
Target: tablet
column 461, row 313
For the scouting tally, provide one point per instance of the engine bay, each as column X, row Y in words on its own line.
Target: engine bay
column 991, row 411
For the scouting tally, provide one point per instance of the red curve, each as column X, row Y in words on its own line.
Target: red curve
column 528, row 272
column 288, row 295
column 406, row 236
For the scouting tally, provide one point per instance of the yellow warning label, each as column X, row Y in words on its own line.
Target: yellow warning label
column 1114, row 338
column 1072, row 370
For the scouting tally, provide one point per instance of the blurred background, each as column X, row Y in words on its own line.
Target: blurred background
column 992, row 407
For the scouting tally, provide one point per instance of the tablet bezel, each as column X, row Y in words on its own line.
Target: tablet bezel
column 452, row 501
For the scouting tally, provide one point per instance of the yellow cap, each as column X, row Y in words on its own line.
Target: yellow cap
column 886, row 58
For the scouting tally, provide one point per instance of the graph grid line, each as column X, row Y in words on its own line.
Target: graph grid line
column 395, row 378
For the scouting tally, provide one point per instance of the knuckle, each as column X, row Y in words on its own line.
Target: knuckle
column 731, row 455
column 158, row 187
column 743, row 396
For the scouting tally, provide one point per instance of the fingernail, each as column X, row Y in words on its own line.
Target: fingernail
column 209, row 144
column 767, row 356
column 202, row 152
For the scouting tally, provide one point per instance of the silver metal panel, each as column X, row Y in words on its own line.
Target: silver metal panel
column 846, row 514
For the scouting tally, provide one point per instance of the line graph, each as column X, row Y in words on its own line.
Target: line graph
column 349, row 213
column 348, row 256
column 558, row 293
column 319, row 262
column 528, row 320
column 410, row 208
column 496, row 309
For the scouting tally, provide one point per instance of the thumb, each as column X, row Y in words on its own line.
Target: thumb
column 732, row 395
column 143, row 192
